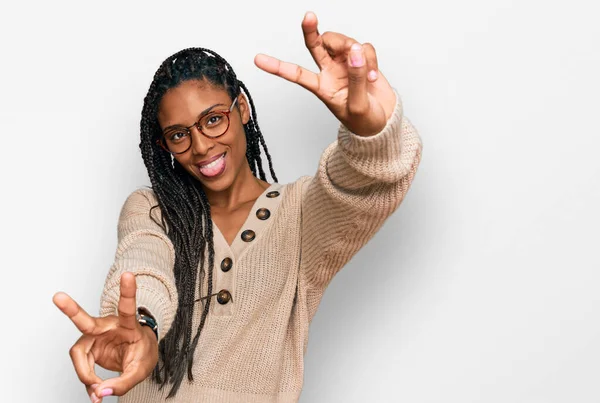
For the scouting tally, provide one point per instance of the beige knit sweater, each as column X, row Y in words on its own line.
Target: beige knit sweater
column 251, row 348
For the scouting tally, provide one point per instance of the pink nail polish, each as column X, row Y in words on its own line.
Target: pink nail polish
column 356, row 58
column 106, row 392
column 94, row 398
column 372, row 75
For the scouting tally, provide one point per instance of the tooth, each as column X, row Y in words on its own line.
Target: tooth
column 212, row 163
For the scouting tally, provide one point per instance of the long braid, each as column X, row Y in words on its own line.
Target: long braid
column 186, row 213
column 255, row 156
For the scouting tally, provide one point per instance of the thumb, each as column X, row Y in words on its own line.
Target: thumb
column 358, row 99
column 120, row 385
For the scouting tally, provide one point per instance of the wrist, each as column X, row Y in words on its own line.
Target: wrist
column 145, row 319
column 149, row 332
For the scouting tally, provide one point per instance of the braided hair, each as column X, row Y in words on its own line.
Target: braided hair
column 184, row 204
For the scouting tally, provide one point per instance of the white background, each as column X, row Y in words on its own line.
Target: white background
column 482, row 287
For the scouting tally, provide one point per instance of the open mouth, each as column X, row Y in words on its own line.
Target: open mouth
column 214, row 168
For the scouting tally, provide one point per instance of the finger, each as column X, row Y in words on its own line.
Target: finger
column 289, row 71
column 313, row 40
column 90, row 391
column 371, row 58
column 358, row 100
column 337, row 45
column 84, row 322
column 127, row 304
column 118, row 386
column 83, row 360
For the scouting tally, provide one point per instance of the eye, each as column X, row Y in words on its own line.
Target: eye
column 176, row 136
column 213, row 119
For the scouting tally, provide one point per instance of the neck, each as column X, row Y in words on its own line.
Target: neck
column 245, row 188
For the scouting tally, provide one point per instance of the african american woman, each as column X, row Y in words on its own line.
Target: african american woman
column 218, row 272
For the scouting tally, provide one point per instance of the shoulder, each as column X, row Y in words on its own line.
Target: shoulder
column 139, row 201
column 296, row 188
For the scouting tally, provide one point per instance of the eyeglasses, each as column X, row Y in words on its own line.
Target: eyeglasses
column 178, row 140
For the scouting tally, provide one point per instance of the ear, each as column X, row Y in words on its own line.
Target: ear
column 242, row 104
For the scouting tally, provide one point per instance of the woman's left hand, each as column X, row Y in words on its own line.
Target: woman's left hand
column 360, row 102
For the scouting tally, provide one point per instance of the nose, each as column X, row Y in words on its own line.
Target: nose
column 200, row 143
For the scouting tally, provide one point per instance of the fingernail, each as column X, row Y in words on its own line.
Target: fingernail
column 94, row 398
column 106, row 392
column 356, row 58
column 372, row 75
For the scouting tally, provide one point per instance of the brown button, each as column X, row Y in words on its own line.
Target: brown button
column 248, row 235
column 223, row 297
column 272, row 194
column 226, row 264
column 263, row 213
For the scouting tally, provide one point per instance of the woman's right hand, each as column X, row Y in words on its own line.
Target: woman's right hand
column 117, row 343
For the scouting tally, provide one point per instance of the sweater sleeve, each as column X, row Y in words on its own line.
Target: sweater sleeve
column 144, row 249
column 359, row 183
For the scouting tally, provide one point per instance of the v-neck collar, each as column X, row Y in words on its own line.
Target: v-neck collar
column 252, row 222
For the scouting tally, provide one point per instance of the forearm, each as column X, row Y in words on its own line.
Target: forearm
column 359, row 183
column 145, row 250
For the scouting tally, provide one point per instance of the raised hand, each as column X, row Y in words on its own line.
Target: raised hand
column 362, row 100
column 117, row 343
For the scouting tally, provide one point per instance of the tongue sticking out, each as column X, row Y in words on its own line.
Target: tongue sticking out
column 214, row 167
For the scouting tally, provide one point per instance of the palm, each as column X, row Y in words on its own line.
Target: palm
column 117, row 343
column 333, row 86
column 362, row 105
column 116, row 348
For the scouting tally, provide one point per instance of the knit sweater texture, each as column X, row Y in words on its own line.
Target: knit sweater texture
column 251, row 348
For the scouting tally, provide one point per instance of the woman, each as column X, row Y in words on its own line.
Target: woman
column 265, row 251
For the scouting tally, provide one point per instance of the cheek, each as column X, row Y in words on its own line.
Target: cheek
column 240, row 143
column 237, row 147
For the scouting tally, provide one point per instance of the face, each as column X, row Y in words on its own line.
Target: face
column 182, row 106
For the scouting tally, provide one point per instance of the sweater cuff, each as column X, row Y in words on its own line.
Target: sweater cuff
column 151, row 294
column 378, row 156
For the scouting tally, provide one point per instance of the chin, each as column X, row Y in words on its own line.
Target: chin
column 216, row 186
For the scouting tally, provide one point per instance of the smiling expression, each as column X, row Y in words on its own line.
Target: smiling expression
column 183, row 105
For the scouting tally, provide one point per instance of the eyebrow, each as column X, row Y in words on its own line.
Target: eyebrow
column 204, row 112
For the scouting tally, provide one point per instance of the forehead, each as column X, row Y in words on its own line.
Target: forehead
column 181, row 105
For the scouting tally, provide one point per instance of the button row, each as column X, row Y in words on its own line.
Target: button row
column 224, row 296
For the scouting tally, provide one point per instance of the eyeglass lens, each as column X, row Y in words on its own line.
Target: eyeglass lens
column 212, row 125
